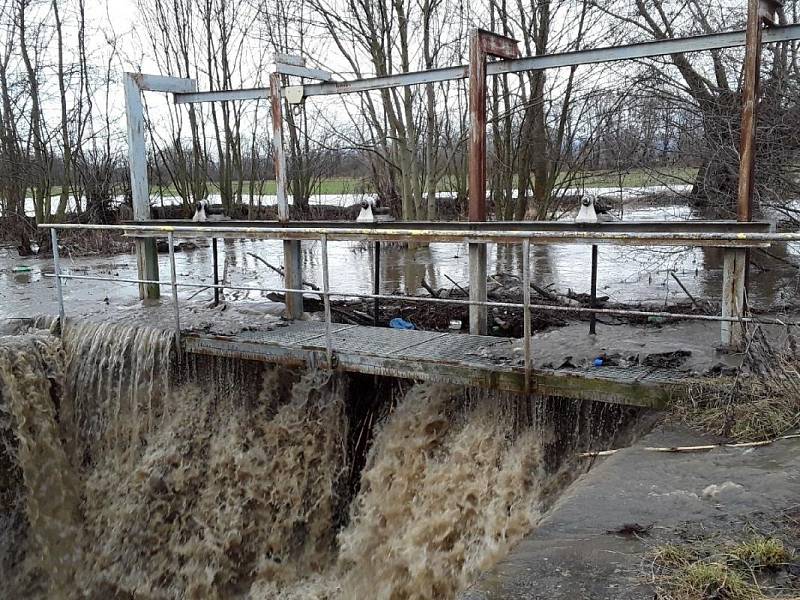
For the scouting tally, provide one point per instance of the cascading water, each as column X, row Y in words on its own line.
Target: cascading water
column 229, row 479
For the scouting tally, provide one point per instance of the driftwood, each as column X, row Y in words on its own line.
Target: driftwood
column 451, row 280
column 545, row 293
column 279, row 271
column 683, row 287
column 678, row 449
column 429, row 289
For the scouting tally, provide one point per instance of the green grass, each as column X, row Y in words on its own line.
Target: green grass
column 636, row 177
column 762, row 552
column 718, row 569
column 334, row 185
column 705, row 581
column 590, row 179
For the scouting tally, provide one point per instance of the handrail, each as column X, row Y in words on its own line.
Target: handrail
column 742, row 238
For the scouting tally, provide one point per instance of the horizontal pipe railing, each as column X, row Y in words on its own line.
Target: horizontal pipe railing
column 400, row 233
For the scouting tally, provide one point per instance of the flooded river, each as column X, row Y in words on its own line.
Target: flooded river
column 626, row 274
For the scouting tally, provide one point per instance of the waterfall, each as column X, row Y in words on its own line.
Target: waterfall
column 133, row 474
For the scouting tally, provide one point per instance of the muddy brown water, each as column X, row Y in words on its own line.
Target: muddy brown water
column 128, row 474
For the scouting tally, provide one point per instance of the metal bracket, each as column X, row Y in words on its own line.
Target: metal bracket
column 294, row 94
column 306, row 72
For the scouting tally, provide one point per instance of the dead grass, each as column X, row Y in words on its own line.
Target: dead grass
column 720, row 569
column 93, row 242
column 761, row 402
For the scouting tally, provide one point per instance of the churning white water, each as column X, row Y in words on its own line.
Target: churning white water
column 128, row 476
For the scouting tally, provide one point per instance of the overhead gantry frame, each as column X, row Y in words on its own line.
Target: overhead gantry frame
column 482, row 44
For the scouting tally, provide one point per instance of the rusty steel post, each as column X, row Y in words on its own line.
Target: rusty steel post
column 747, row 155
column 477, row 129
column 736, row 275
column 292, row 266
column 481, row 44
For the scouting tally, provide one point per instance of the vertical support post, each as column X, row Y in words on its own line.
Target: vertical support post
column 146, row 253
column 57, row 270
column 593, row 300
column 173, row 279
column 481, row 44
column 327, row 301
column 526, row 311
column 292, row 267
column 750, row 88
column 737, row 261
column 478, row 315
column 733, row 296
column 376, row 283
column 215, row 258
column 477, row 128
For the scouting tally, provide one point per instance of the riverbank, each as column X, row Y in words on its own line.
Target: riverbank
column 599, row 540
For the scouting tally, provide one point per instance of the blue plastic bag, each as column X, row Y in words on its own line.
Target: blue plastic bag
column 398, row 323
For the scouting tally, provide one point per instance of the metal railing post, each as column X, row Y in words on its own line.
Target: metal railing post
column 376, row 284
column 327, row 301
column 57, row 269
column 174, row 282
column 215, row 258
column 526, row 310
column 593, row 300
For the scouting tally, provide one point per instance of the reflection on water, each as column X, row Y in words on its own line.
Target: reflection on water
column 626, row 274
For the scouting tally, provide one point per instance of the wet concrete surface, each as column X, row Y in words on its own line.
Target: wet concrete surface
column 631, row 345
column 621, row 345
column 572, row 555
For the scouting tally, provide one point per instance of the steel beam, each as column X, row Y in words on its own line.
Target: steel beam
column 713, row 41
column 481, row 45
column 146, row 252
column 399, row 233
column 163, row 83
column 628, row 227
column 292, row 266
column 259, row 93
column 306, row 72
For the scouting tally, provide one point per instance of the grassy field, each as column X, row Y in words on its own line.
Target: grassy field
column 334, row 186
column 590, row 179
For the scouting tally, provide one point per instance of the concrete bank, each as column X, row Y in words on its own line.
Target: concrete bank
column 573, row 556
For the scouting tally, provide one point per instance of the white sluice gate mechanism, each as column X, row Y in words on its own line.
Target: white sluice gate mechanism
column 372, row 212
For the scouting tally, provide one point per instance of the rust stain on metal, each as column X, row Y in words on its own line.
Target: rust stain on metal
column 481, row 44
column 752, row 64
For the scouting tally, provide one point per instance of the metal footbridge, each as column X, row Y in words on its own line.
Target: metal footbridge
column 472, row 359
column 460, row 359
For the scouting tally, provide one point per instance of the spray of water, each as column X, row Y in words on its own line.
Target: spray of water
column 232, row 485
column 41, row 488
column 449, row 485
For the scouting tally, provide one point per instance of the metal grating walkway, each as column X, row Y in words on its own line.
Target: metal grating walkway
column 480, row 361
